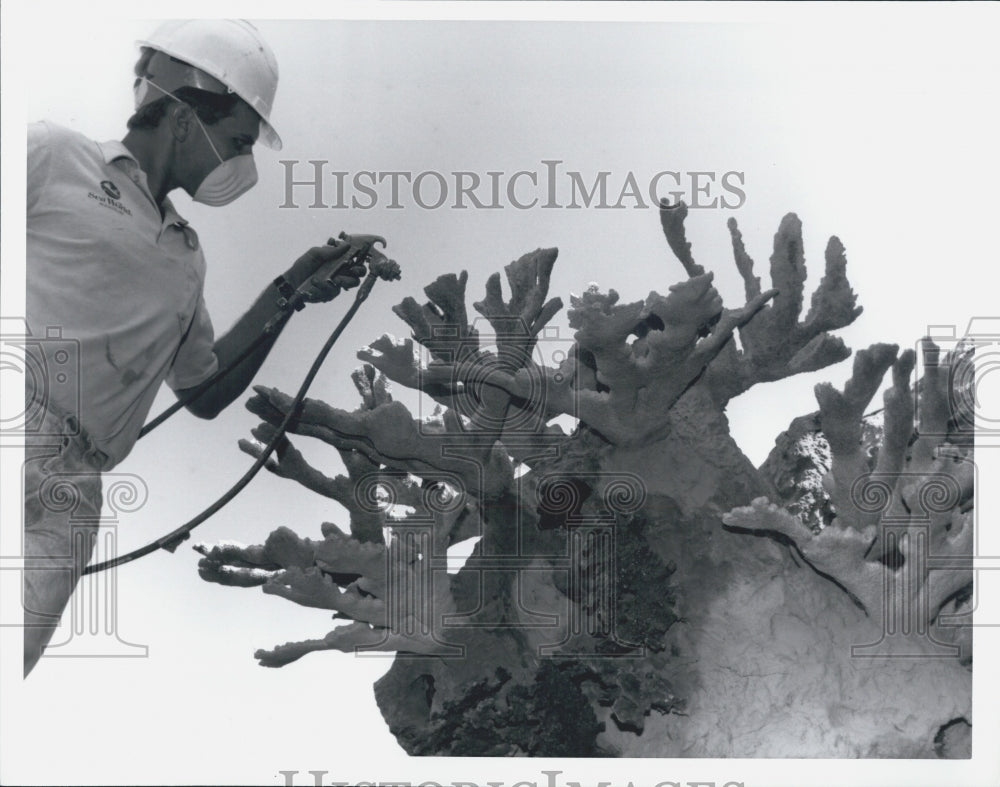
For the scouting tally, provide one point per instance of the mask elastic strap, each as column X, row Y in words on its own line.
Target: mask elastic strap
column 198, row 119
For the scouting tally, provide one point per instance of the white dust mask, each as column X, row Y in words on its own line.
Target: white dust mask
column 230, row 179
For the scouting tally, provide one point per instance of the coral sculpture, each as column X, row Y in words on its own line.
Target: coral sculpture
column 638, row 587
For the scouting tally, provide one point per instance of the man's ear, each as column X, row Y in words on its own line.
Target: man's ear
column 180, row 120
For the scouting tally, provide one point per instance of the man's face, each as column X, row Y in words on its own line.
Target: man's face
column 236, row 134
column 231, row 136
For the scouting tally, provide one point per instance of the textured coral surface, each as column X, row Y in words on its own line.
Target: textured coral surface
column 639, row 588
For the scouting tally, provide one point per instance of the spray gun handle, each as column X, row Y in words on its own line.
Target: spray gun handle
column 358, row 240
column 360, row 253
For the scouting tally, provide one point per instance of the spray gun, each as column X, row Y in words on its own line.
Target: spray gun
column 362, row 252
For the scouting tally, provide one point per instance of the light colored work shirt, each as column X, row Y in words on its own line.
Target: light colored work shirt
column 114, row 287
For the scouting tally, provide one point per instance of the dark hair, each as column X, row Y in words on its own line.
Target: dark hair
column 210, row 107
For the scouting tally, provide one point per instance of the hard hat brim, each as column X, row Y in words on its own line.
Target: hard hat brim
column 267, row 136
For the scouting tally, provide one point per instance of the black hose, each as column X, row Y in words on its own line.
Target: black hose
column 172, row 539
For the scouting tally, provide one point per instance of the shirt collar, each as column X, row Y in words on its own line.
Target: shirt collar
column 113, row 149
column 115, row 152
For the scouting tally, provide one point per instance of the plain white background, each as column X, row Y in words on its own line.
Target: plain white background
column 873, row 123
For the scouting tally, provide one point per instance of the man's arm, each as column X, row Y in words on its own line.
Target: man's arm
column 251, row 325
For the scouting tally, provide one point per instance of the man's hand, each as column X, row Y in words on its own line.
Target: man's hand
column 320, row 275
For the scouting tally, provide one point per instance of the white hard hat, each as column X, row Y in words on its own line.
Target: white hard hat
column 231, row 51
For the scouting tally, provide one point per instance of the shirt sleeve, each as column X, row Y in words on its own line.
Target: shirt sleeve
column 194, row 362
column 39, row 161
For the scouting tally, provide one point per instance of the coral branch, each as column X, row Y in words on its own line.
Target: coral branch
column 396, row 360
column 389, row 435
column 833, row 303
column 676, row 338
column 379, row 624
column 374, row 388
column 744, row 263
column 348, row 639
column 455, row 377
column 841, row 412
column 775, row 344
column 841, row 420
column 288, row 462
column 898, row 403
column 235, row 565
column 788, row 273
column 230, row 563
column 441, row 324
column 527, row 311
column 946, row 399
column 672, row 220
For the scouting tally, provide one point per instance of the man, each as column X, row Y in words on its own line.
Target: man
column 115, row 279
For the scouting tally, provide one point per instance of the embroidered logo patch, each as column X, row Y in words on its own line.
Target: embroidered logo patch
column 111, row 200
column 110, row 189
